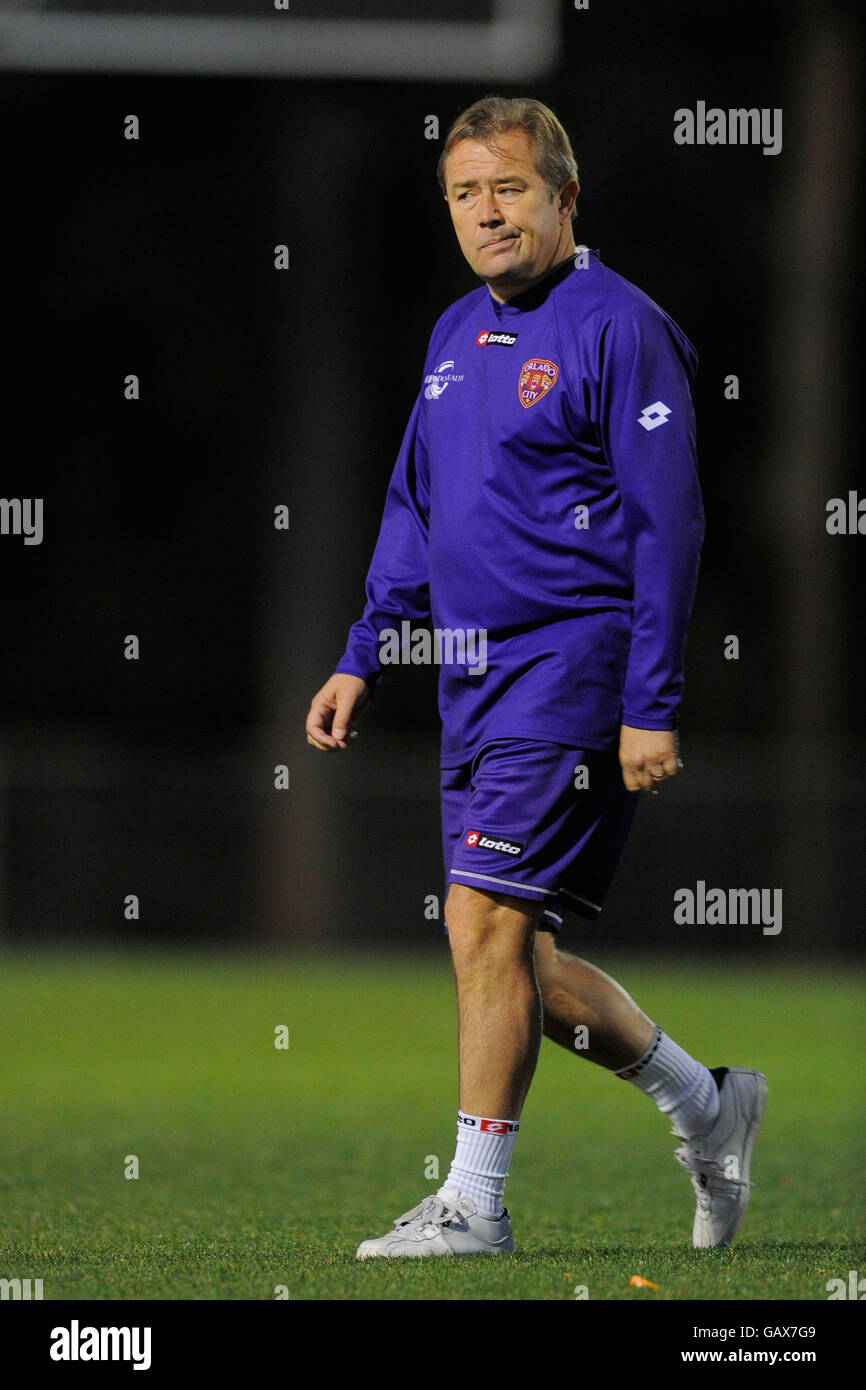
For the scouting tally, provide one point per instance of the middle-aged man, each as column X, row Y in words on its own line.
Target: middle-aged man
column 544, row 503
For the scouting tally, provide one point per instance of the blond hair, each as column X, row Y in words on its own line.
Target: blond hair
column 493, row 116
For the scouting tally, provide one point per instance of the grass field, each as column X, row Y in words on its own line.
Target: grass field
column 261, row 1167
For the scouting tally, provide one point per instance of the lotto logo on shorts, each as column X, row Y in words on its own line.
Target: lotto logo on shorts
column 476, row 839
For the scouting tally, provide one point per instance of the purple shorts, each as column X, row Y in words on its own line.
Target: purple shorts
column 542, row 821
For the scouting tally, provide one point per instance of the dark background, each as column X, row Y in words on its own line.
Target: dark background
column 259, row 387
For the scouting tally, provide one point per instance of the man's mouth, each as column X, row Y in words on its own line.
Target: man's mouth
column 497, row 241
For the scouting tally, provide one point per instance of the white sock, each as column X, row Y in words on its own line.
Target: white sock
column 681, row 1087
column 480, row 1165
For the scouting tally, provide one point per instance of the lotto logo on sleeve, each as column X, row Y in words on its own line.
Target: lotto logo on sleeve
column 476, row 839
column 654, row 415
column 536, row 378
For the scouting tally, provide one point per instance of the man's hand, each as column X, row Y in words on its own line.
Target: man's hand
column 648, row 757
column 333, row 711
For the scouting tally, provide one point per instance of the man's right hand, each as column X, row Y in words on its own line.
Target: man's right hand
column 333, row 711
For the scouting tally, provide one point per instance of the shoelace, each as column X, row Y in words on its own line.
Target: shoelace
column 432, row 1211
column 716, row 1180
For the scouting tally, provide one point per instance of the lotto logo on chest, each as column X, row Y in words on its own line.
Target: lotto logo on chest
column 537, row 376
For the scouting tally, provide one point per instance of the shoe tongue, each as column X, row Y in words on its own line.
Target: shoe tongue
column 454, row 1198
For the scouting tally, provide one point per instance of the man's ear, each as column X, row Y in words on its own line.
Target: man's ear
column 566, row 201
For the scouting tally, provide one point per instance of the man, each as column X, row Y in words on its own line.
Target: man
column 545, row 496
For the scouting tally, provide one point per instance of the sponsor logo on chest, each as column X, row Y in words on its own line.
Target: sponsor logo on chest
column 490, row 339
column 437, row 382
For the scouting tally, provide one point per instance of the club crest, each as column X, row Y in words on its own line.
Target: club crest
column 536, row 378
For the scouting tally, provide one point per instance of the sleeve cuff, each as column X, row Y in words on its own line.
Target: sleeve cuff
column 664, row 724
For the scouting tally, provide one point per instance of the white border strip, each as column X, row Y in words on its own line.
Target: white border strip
column 566, row 893
column 509, row 882
column 521, row 42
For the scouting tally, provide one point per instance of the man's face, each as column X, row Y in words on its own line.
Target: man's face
column 509, row 230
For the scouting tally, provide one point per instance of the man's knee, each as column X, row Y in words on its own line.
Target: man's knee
column 482, row 926
column 557, row 992
column 547, row 964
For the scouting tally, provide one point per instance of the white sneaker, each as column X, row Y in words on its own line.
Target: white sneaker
column 719, row 1161
column 445, row 1223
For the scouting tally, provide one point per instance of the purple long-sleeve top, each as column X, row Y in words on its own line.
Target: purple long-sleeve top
column 545, row 495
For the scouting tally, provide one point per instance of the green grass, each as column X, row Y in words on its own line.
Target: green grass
column 261, row 1167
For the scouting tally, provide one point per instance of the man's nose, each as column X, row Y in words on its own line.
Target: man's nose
column 488, row 210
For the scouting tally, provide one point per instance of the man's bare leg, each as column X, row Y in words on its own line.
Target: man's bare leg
column 717, row 1114
column 573, row 992
column 510, row 985
column 499, row 1004
column 622, row 1038
column 499, row 1008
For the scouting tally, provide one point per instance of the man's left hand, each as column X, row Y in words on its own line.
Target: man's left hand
column 648, row 757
